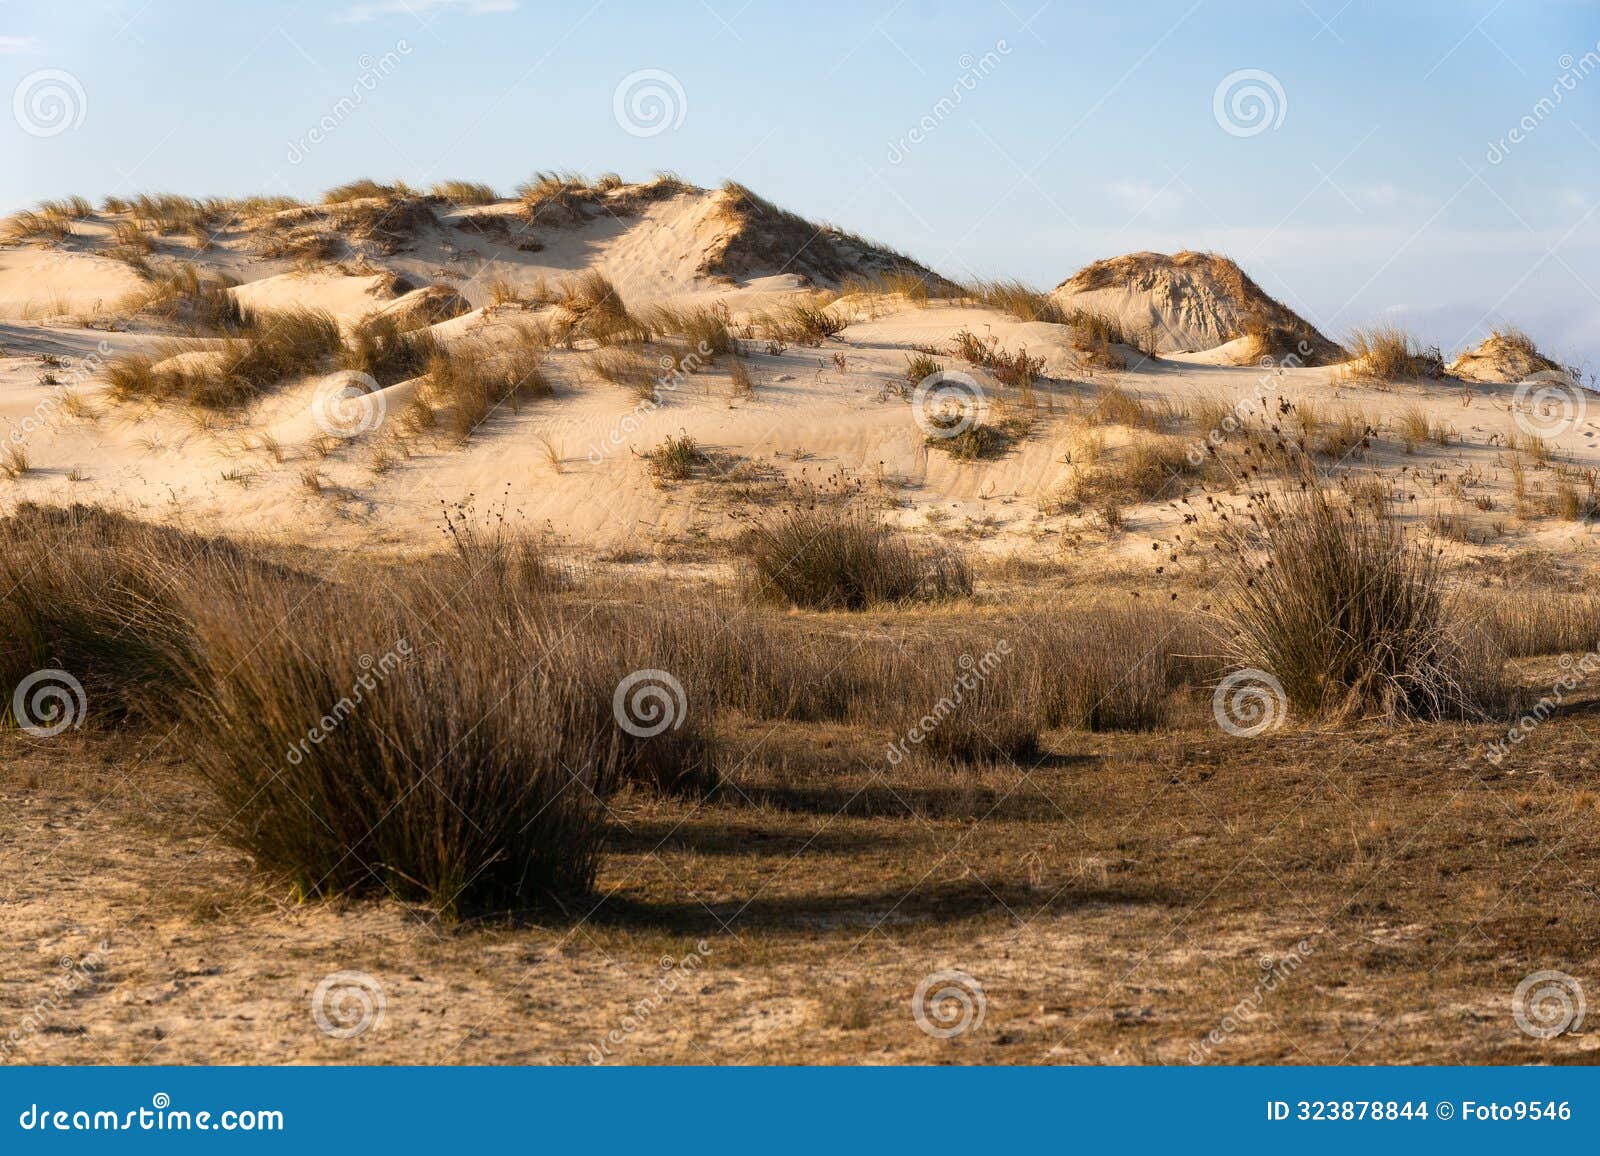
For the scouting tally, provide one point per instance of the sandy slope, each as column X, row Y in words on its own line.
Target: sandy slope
column 43, row 282
column 807, row 420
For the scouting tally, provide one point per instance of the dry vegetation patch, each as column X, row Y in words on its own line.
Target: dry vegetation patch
column 1387, row 353
column 830, row 557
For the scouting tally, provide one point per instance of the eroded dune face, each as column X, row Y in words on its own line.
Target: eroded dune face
column 1188, row 302
column 1503, row 358
column 542, row 350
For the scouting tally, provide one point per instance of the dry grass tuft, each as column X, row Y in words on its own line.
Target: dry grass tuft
column 362, row 189
column 29, row 225
column 804, row 323
column 676, row 459
column 93, row 593
column 381, row 347
column 825, row 557
column 1094, row 334
column 1388, row 353
column 473, row 380
column 465, row 192
column 632, row 368
column 1014, row 369
column 1147, row 469
column 186, row 296
column 1535, row 621
column 596, row 310
column 1347, row 614
column 1021, row 301
column 968, row 439
column 441, row 768
column 704, row 329
column 14, row 461
column 272, row 348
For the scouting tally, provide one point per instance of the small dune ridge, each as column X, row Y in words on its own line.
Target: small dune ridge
column 1507, row 355
column 1193, row 301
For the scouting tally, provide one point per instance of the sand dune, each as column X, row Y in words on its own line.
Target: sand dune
column 576, row 462
column 1191, row 302
column 1506, row 357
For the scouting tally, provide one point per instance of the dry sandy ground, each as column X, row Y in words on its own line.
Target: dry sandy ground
column 1112, row 905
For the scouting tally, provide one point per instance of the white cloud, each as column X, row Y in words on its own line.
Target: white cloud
column 9, row 45
column 360, row 13
column 1386, row 195
column 1143, row 197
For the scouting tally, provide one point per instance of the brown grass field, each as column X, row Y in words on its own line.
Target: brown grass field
column 1115, row 886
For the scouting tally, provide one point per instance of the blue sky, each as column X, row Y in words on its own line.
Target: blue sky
column 1380, row 182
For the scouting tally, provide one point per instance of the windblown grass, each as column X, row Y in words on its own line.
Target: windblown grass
column 186, row 296
column 471, row 382
column 465, row 192
column 704, row 329
column 361, row 189
column 29, row 225
column 380, row 347
column 273, row 347
column 1387, row 353
column 596, row 310
column 632, row 368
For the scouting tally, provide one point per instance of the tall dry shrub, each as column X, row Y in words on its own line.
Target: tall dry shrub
column 1347, row 613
